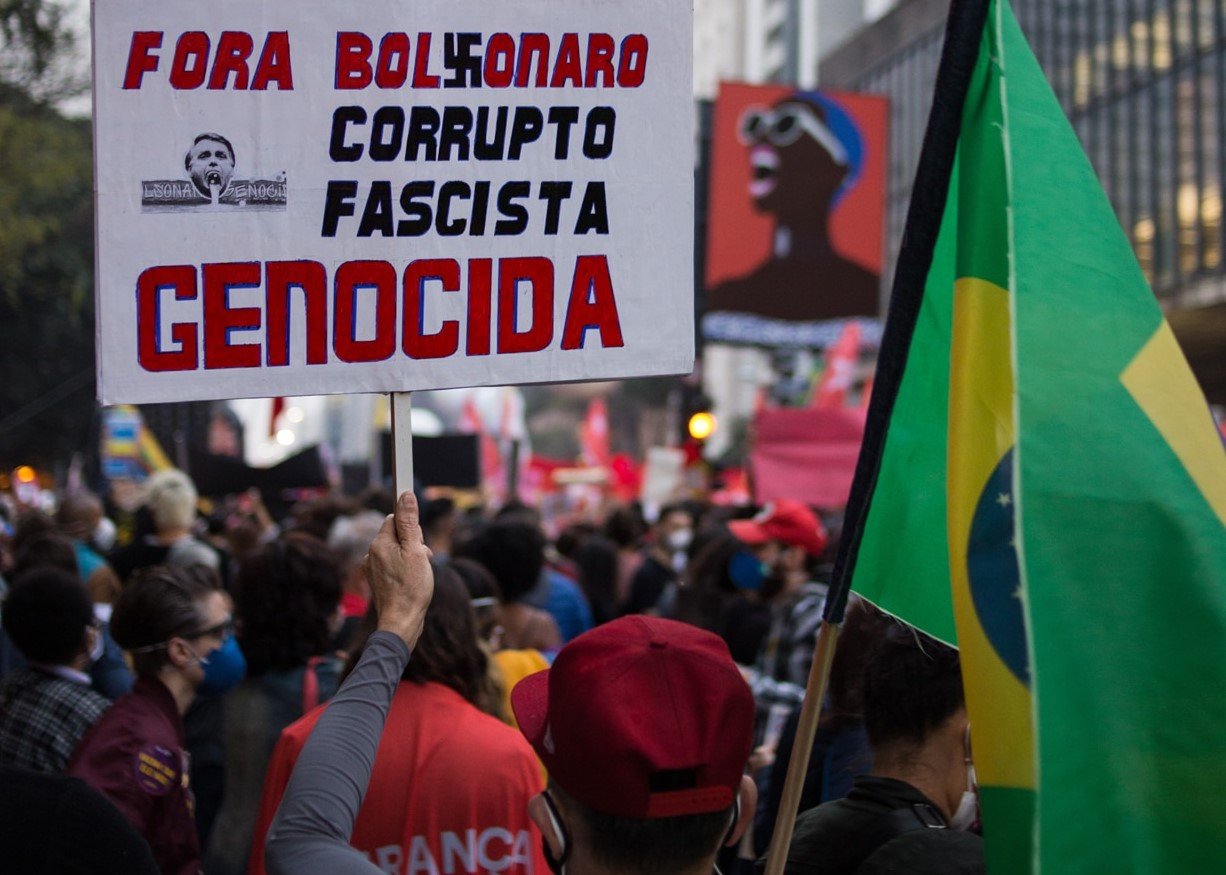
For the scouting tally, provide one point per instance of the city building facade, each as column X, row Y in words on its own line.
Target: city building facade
column 1143, row 86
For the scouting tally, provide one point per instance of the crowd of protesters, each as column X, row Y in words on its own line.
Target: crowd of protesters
column 204, row 685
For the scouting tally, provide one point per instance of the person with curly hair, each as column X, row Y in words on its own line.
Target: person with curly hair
column 287, row 598
column 513, row 551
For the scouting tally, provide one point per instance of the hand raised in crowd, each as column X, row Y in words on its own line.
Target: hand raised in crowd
column 399, row 573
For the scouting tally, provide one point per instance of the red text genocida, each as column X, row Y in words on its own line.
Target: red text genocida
column 231, row 60
column 495, row 320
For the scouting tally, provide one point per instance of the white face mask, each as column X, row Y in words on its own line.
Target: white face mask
column 99, row 645
column 104, row 535
column 967, row 815
column 680, row 539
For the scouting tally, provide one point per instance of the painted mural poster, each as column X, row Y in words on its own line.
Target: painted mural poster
column 795, row 222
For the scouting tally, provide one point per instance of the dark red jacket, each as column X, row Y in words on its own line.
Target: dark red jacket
column 134, row 756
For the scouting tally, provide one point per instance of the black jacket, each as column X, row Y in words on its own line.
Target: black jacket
column 882, row 826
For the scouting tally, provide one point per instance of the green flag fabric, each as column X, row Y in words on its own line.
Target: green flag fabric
column 1043, row 485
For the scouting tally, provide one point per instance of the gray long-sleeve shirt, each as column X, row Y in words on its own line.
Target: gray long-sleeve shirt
column 310, row 834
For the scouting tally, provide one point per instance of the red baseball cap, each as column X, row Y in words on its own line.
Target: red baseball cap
column 641, row 717
column 784, row 520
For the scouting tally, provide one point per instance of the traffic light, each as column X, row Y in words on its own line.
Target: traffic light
column 698, row 423
column 701, row 425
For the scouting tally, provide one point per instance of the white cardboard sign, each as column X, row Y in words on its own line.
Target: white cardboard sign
column 304, row 197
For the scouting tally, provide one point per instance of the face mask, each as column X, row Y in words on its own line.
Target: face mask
column 96, row 649
column 224, row 668
column 966, row 818
column 557, row 865
column 104, row 535
column 680, row 539
column 967, row 815
column 746, row 571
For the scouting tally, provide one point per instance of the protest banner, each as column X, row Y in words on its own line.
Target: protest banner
column 306, row 198
column 806, row 453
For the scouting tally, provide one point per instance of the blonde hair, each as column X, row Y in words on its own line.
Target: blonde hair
column 171, row 499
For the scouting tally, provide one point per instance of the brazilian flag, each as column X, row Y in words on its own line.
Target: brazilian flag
column 1042, row 484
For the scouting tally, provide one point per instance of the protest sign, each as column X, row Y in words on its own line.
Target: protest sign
column 306, row 197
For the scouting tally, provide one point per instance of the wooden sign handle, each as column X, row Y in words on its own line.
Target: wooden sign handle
column 402, row 442
column 815, row 692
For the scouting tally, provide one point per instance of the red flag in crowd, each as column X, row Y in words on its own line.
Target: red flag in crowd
column 625, row 477
column 840, row 369
column 278, row 407
column 493, row 477
column 594, row 435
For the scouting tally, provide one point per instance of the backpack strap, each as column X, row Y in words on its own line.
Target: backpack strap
column 310, row 684
column 898, row 822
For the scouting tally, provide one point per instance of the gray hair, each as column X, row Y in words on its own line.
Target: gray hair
column 350, row 537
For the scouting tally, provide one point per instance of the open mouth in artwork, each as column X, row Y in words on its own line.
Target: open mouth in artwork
column 764, row 170
column 212, row 178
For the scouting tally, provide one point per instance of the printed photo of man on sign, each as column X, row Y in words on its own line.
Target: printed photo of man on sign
column 209, row 163
column 795, row 222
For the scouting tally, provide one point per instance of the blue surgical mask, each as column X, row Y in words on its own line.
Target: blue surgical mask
column 224, row 668
column 746, row 571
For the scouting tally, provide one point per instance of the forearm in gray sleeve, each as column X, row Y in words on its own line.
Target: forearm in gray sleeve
column 310, row 834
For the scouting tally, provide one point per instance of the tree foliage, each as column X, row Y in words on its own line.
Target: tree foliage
column 39, row 55
column 46, row 265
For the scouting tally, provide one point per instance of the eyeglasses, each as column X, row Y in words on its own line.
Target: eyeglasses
column 783, row 127
column 222, row 630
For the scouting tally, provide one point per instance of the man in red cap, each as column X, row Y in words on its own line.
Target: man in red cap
column 787, row 539
column 785, row 524
column 644, row 726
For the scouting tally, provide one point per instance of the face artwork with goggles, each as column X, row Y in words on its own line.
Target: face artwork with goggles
column 784, row 125
column 799, row 155
column 774, row 134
